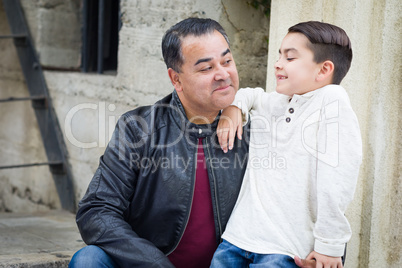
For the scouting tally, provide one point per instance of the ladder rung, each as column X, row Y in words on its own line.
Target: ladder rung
column 40, row 97
column 31, row 165
column 13, row 36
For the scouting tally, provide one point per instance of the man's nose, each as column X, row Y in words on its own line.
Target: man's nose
column 222, row 73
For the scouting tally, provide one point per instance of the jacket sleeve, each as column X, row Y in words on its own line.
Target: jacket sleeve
column 100, row 215
column 339, row 155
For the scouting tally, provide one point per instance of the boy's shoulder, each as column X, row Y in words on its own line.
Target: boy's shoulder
column 334, row 92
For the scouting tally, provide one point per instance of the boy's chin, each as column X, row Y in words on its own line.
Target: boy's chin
column 283, row 92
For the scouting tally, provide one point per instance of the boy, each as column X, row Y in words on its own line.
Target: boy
column 305, row 153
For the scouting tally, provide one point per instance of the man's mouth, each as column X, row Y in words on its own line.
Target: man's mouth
column 223, row 88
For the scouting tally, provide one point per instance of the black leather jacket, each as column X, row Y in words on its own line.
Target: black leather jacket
column 138, row 203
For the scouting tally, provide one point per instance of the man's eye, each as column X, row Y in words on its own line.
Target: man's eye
column 228, row 61
column 206, row 69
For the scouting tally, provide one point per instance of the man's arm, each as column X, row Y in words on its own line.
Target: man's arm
column 100, row 216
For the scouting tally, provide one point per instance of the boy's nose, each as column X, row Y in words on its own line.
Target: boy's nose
column 277, row 65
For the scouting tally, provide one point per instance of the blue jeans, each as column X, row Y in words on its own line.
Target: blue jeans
column 91, row 257
column 228, row 255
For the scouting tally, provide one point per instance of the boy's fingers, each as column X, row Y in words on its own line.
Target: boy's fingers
column 239, row 131
column 222, row 134
column 304, row 263
column 232, row 134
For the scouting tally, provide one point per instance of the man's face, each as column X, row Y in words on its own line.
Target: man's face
column 208, row 80
column 295, row 69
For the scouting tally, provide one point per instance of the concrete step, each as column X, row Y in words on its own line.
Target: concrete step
column 38, row 240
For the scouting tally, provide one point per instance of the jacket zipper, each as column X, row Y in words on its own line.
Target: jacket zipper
column 215, row 191
column 191, row 204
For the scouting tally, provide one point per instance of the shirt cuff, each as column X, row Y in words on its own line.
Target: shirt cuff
column 328, row 249
column 244, row 111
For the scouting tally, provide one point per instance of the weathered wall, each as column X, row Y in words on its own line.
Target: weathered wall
column 374, row 85
column 24, row 189
column 88, row 105
column 55, row 26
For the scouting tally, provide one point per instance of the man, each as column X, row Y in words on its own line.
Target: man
column 164, row 189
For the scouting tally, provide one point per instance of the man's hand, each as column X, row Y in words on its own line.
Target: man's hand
column 316, row 260
column 230, row 122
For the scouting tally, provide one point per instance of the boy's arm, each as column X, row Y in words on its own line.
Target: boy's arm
column 231, row 120
column 338, row 153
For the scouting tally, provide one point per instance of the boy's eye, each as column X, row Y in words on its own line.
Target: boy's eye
column 290, row 59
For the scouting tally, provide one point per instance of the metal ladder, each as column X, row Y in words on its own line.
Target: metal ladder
column 51, row 134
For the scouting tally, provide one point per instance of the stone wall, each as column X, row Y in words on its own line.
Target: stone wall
column 23, row 189
column 374, row 85
column 55, row 26
column 88, row 105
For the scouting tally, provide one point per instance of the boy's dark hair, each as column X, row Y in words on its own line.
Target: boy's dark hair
column 328, row 42
column 171, row 41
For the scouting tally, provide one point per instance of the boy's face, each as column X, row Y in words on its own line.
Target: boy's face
column 295, row 69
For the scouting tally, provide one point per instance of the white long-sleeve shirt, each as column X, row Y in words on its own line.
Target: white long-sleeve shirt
column 304, row 157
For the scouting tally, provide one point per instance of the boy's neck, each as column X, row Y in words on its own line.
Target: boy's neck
column 315, row 88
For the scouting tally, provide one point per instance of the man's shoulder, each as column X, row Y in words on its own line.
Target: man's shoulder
column 148, row 112
column 145, row 120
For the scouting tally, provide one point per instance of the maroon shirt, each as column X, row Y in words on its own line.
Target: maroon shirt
column 198, row 243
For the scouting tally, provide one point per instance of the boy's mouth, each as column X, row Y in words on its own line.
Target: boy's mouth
column 281, row 77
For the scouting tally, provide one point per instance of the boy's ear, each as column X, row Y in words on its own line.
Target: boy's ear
column 326, row 71
column 175, row 79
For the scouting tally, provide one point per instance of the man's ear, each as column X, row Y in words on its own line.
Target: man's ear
column 175, row 79
column 326, row 71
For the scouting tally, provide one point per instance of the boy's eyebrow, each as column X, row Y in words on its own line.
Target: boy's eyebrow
column 209, row 59
column 287, row 50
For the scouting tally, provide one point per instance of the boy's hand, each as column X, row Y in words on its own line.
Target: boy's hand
column 304, row 263
column 322, row 261
column 229, row 123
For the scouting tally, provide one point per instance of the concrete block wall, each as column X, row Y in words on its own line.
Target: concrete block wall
column 88, row 105
column 55, row 26
column 24, row 189
column 374, row 85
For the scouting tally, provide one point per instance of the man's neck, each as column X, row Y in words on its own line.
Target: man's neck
column 200, row 119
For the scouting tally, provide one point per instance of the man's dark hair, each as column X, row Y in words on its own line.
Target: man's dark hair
column 171, row 42
column 327, row 42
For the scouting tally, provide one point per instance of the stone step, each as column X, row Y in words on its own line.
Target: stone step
column 46, row 239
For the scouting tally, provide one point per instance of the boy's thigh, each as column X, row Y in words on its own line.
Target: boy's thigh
column 228, row 255
column 273, row 260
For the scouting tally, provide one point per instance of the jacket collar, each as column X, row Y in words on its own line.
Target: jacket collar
column 179, row 116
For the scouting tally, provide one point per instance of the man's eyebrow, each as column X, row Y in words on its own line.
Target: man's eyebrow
column 225, row 52
column 209, row 59
column 202, row 60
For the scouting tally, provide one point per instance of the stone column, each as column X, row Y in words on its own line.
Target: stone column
column 374, row 85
